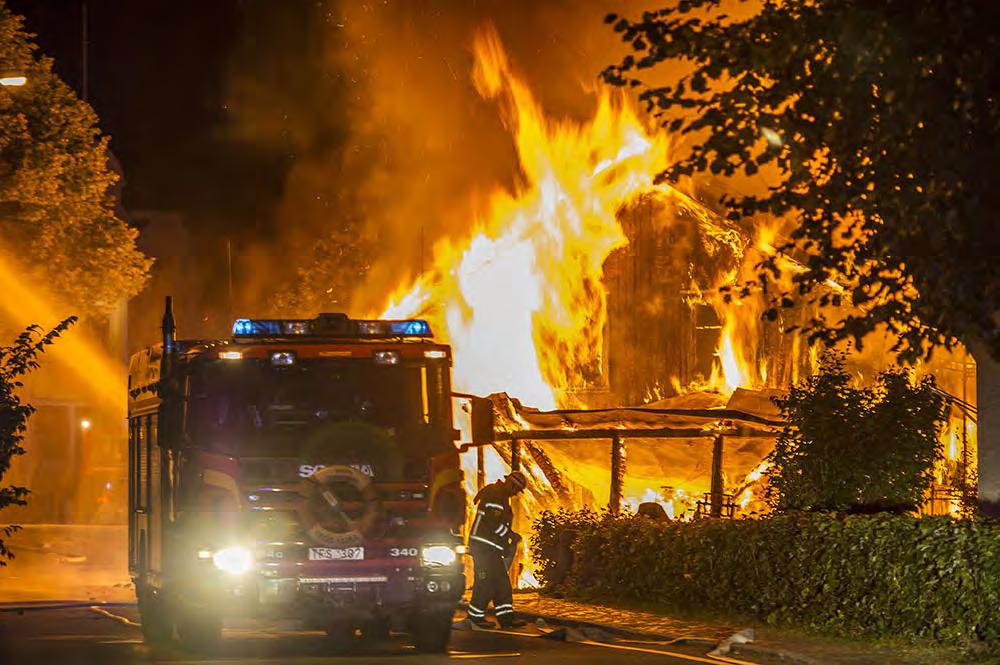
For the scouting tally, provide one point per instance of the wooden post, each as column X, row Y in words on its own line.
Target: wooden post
column 717, row 489
column 480, row 468
column 617, row 474
column 514, row 572
column 515, row 454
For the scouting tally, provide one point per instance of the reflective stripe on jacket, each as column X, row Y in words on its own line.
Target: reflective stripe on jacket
column 492, row 523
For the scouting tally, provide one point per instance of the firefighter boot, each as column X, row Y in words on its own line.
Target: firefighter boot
column 509, row 621
column 481, row 622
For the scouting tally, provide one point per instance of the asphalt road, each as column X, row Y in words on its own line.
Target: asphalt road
column 110, row 636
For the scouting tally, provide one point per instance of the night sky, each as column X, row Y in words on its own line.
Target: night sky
column 157, row 77
column 267, row 124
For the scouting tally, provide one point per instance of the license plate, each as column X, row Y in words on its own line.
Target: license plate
column 336, row 553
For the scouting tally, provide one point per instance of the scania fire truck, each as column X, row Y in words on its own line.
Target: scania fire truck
column 300, row 469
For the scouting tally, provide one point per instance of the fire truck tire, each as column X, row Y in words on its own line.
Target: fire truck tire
column 375, row 630
column 339, row 638
column 432, row 631
column 199, row 631
column 155, row 621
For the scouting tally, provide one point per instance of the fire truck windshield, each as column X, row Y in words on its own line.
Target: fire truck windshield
column 251, row 408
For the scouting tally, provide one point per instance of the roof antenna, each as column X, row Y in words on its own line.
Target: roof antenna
column 169, row 329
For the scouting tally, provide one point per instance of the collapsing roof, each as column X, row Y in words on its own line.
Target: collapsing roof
column 701, row 442
column 747, row 413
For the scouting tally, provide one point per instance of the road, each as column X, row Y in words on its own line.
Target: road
column 110, row 636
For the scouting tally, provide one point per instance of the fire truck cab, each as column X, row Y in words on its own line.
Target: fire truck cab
column 300, row 469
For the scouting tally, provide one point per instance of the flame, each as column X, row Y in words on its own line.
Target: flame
column 521, row 300
column 677, row 503
column 734, row 368
column 745, row 493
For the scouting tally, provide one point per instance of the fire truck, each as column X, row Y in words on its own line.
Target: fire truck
column 300, row 469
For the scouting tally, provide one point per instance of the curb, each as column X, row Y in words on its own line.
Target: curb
column 21, row 607
column 737, row 649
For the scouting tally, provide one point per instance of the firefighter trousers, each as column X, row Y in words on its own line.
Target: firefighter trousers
column 491, row 583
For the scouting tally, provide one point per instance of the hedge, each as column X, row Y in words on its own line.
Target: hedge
column 864, row 575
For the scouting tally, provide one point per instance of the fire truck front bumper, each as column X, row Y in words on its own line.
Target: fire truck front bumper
column 347, row 595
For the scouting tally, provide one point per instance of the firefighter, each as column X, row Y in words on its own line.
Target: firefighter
column 492, row 543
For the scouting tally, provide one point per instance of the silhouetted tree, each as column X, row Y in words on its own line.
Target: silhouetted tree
column 17, row 360
column 879, row 121
column 57, row 211
column 338, row 265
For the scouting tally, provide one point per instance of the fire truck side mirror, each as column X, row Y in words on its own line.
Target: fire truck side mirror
column 482, row 422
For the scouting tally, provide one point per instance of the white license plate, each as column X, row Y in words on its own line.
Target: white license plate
column 336, row 553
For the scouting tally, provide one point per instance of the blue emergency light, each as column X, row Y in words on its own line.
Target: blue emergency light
column 331, row 325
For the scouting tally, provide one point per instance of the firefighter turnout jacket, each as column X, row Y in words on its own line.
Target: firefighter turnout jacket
column 492, row 525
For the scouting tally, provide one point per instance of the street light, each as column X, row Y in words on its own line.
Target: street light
column 13, row 80
column 85, row 424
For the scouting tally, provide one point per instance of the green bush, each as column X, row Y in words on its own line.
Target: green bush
column 865, row 575
column 847, row 448
column 16, row 361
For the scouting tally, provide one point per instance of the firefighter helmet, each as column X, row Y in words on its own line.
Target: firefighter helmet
column 517, row 480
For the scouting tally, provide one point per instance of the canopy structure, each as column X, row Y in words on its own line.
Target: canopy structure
column 688, row 421
column 745, row 414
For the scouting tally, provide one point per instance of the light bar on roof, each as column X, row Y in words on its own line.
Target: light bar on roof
column 405, row 328
column 331, row 325
column 257, row 327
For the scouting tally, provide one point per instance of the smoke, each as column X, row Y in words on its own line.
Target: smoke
column 388, row 145
column 442, row 147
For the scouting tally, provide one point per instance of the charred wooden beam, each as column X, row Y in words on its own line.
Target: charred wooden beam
column 617, row 474
column 552, row 474
column 480, row 468
column 717, row 488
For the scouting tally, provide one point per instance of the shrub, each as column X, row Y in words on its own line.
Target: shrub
column 17, row 360
column 846, row 448
column 866, row 575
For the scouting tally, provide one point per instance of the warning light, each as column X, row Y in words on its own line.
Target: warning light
column 283, row 358
column 331, row 325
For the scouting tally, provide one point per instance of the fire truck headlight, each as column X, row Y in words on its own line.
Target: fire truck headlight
column 386, row 358
column 283, row 358
column 234, row 560
column 437, row 555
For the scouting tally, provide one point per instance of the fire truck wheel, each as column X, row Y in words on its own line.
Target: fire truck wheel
column 199, row 631
column 432, row 631
column 339, row 638
column 375, row 630
column 154, row 620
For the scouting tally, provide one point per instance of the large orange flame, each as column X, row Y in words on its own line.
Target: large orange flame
column 521, row 297
column 521, row 300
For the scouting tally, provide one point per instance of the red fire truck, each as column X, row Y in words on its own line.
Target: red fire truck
column 299, row 469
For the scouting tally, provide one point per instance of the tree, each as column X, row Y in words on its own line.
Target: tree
column 16, row 361
column 879, row 119
column 56, row 201
column 879, row 122
column 846, row 448
column 339, row 263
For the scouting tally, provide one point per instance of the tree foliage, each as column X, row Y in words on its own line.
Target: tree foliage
column 56, row 202
column 881, row 121
column 846, row 448
column 339, row 263
column 17, row 360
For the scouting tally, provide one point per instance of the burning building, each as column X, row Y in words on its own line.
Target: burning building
column 590, row 286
